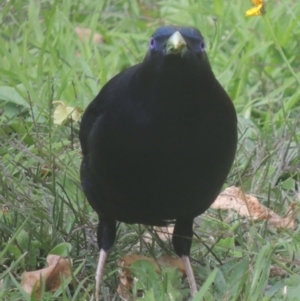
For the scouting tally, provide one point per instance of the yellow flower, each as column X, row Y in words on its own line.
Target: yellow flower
column 257, row 2
column 258, row 10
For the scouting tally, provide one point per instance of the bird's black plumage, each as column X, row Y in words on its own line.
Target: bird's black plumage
column 158, row 140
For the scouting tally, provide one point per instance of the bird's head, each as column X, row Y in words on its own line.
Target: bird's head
column 175, row 40
column 175, row 47
column 175, row 64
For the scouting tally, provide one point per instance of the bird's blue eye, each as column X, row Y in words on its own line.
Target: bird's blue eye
column 202, row 46
column 152, row 43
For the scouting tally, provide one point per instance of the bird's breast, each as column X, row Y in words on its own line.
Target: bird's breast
column 160, row 160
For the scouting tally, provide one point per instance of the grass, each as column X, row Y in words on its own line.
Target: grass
column 42, row 207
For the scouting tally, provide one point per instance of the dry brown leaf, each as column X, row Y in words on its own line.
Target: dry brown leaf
column 248, row 206
column 164, row 233
column 173, row 262
column 276, row 271
column 126, row 261
column 57, row 266
column 84, row 34
column 4, row 209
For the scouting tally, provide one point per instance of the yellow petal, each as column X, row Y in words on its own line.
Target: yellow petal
column 257, row 2
column 254, row 11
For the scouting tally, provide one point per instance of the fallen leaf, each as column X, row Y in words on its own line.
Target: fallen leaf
column 164, row 233
column 4, row 209
column 276, row 271
column 248, row 206
column 57, row 266
column 62, row 112
column 127, row 260
column 84, row 34
column 172, row 262
column 126, row 278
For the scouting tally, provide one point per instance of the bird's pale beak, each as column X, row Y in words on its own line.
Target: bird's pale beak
column 176, row 44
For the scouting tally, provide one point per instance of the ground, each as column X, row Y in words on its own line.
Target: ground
column 67, row 50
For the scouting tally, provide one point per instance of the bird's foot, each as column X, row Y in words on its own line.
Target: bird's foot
column 99, row 273
column 190, row 275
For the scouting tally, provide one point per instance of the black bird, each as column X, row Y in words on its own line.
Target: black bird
column 158, row 142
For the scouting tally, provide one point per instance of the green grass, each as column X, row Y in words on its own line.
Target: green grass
column 41, row 204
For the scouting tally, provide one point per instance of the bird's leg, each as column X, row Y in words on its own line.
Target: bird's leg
column 99, row 272
column 190, row 275
column 182, row 241
column 106, row 235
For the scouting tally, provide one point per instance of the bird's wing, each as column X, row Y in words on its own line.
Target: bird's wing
column 112, row 93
